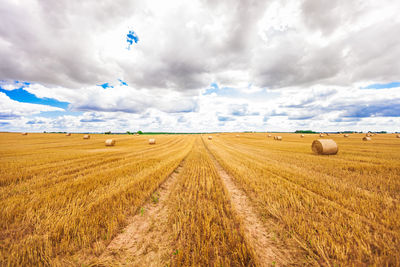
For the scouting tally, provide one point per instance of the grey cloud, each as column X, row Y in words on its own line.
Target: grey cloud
column 296, row 62
column 8, row 116
column 341, row 120
column 50, row 42
column 374, row 52
column 310, row 98
column 347, row 109
column 225, row 118
column 241, row 110
column 98, row 107
column 181, row 119
column 327, row 15
column 301, row 117
column 375, row 109
column 35, row 122
column 92, row 120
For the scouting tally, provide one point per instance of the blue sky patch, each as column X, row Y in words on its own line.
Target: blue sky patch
column 382, row 85
column 221, row 91
column 122, row 82
column 213, row 89
column 131, row 37
column 105, row 85
column 24, row 96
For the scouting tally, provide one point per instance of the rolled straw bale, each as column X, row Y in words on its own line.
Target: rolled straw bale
column 110, row 142
column 210, row 137
column 324, row 147
column 152, row 141
column 24, row 133
column 269, row 135
column 321, row 135
column 302, row 136
column 398, row 136
column 68, row 134
column 368, row 134
column 366, row 138
column 346, row 135
column 278, row 138
column 86, row 136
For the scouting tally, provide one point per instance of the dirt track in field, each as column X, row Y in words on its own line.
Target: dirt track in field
column 268, row 252
column 145, row 241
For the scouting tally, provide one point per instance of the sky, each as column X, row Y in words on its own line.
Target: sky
column 199, row 66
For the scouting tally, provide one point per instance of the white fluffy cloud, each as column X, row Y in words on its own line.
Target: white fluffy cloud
column 11, row 110
column 279, row 65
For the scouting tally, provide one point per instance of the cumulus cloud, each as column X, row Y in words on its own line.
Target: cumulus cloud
column 185, row 46
column 10, row 109
column 118, row 98
column 297, row 62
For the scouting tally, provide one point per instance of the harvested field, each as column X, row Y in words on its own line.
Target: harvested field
column 247, row 201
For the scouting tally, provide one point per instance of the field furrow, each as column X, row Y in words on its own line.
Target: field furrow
column 238, row 200
column 312, row 208
column 205, row 230
column 58, row 212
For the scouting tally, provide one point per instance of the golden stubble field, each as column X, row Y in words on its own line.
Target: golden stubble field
column 64, row 199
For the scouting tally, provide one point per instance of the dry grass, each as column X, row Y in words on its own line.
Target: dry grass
column 67, row 196
column 343, row 209
column 59, row 196
column 205, row 230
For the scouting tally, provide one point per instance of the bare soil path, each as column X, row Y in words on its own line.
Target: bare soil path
column 268, row 252
column 145, row 241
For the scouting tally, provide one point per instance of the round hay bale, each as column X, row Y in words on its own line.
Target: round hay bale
column 68, row 134
column 210, row 137
column 321, row 135
column 86, row 136
column 152, row 141
column 327, row 134
column 366, row 138
column 368, row 134
column 278, row 138
column 269, row 135
column 398, row 136
column 302, row 136
column 24, row 133
column 346, row 135
column 110, row 142
column 324, row 147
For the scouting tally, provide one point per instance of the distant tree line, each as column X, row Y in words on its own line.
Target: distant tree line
column 305, row 131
